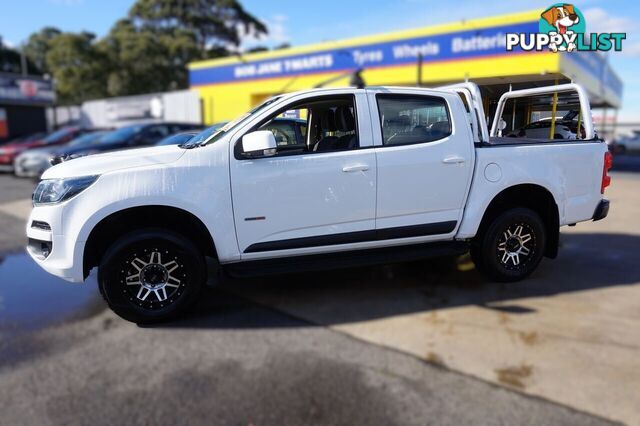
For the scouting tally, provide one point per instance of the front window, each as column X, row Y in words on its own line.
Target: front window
column 320, row 124
column 215, row 132
column 55, row 137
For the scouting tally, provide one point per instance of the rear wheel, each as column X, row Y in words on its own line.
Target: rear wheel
column 512, row 246
column 151, row 276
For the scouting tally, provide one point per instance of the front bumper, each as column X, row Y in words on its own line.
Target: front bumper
column 602, row 210
column 55, row 253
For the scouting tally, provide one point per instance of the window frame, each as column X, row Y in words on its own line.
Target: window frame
column 237, row 147
column 379, row 96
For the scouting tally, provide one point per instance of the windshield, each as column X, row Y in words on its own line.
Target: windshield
column 176, row 139
column 88, row 139
column 215, row 132
column 55, row 136
column 122, row 134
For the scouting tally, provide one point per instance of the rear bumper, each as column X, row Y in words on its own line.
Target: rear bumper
column 602, row 210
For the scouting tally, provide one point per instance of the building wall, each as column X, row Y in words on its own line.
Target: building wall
column 222, row 102
column 467, row 50
column 23, row 120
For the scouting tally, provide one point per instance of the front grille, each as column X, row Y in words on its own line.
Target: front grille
column 37, row 224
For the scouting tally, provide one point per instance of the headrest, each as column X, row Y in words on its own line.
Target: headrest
column 344, row 119
column 328, row 121
column 440, row 126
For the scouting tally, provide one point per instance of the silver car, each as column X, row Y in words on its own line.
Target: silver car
column 33, row 162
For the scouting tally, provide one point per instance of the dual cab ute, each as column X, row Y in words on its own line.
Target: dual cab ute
column 365, row 176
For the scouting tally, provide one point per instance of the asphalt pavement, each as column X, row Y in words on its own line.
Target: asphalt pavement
column 236, row 359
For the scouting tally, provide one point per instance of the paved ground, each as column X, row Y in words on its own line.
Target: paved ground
column 237, row 360
column 14, row 196
column 570, row 333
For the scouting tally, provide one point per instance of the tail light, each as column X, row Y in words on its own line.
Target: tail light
column 606, row 179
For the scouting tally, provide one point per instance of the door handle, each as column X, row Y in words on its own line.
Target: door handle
column 453, row 160
column 356, row 168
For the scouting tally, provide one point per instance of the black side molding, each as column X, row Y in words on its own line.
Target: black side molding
column 356, row 237
column 346, row 259
column 602, row 210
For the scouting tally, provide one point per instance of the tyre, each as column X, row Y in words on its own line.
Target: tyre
column 151, row 276
column 512, row 246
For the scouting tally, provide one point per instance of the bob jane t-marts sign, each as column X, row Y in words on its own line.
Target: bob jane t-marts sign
column 25, row 90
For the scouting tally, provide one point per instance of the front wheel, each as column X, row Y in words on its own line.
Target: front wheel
column 512, row 246
column 151, row 276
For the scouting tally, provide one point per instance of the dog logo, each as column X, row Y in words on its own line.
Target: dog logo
column 562, row 28
column 565, row 20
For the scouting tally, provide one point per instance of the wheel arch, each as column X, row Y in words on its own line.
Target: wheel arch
column 118, row 223
column 534, row 197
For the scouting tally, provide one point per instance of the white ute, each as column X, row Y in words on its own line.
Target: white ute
column 370, row 175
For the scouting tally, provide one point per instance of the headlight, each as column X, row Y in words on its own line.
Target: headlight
column 52, row 191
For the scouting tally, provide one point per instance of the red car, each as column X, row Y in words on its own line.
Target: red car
column 10, row 151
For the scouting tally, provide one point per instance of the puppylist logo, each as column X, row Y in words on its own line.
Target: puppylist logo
column 562, row 28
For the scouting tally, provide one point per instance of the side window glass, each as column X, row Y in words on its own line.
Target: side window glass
column 408, row 119
column 319, row 125
column 284, row 130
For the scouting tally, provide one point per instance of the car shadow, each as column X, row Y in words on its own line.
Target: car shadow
column 585, row 262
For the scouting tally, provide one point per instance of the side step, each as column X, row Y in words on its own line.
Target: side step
column 345, row 259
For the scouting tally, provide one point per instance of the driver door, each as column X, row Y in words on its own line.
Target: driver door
column 318, row 191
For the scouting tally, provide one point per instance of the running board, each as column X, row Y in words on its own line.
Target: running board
column 345, row 259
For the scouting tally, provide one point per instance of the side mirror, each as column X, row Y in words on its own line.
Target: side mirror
column 260, row 143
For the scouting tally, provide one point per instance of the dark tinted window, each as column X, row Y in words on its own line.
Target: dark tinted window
column 408, row 119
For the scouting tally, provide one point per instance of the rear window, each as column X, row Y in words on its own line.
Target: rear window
column 411, row 119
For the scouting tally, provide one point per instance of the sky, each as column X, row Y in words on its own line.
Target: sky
column 297, row 23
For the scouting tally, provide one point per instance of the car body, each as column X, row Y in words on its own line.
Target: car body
column 9, row 152
column 26, row 138
column 383, row 174
column 565, row 127
column 33, row 162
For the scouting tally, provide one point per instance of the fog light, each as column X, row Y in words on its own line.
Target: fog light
column 40, row 249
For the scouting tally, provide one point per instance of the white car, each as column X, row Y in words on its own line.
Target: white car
column 378, row 175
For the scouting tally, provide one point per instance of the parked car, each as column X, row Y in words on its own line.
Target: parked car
column 26, row 138
column 628, row 144
column 133, row 136
column 9, row 152
column 381, row 175
column 565, row 127
column 33, row 162
column 177, row 139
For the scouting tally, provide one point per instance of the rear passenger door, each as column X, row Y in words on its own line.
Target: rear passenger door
column 424, row 159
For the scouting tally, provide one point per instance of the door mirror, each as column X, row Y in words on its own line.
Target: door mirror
column 502, row 124
column 260, row 143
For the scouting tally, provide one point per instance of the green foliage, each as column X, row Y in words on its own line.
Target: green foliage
column 11, row 60
column 77, row 66
column 38, row 45
column 213, row 22
column 146, row 52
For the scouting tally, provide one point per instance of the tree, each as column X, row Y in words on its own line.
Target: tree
column 38, row 45
column 77, row 67
column 11, row 60
column 145, row 60
column 214, row 23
